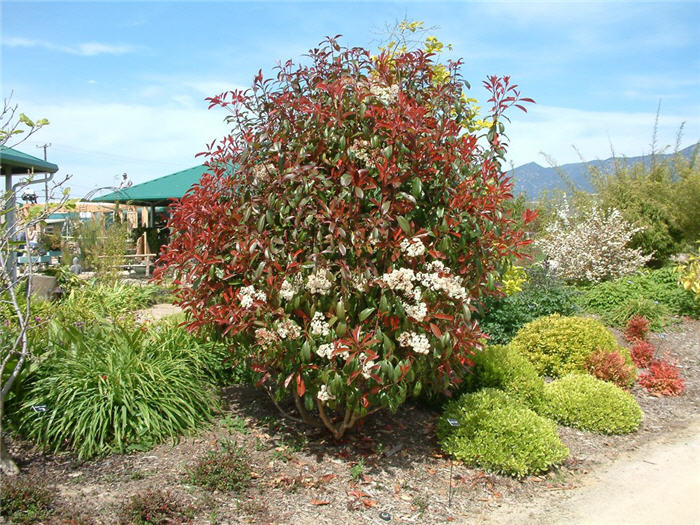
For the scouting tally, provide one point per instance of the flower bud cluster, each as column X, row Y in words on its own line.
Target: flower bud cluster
column 413, row 247
column 418, row 342
column 318, row 283
column 248, row 294
column 319, row 325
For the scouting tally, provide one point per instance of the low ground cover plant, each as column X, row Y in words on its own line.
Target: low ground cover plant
column 637, row 328
column 499, row 434
column 504, row 368
column 612, row 366
column 226, row 469
column 582, row 401
column 656, row 285
column 642, row 353
column 156, row 507
column 663, row 378
column 113, row 388
column 25, row 499
column 557, row 345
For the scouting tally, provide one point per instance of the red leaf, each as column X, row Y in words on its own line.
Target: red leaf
column 436, row 331
column 301, row 387
column 319, row 502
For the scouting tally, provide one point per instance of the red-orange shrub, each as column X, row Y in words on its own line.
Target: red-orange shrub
column 637, row 328
column 611, row 365
column 642, row 353
column 663, row 379
column 346, row 229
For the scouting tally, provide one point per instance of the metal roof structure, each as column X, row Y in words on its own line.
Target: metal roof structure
column 15, row 162
column 157, row 192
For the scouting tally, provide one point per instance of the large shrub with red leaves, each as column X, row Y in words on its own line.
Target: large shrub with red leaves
column 347, row 226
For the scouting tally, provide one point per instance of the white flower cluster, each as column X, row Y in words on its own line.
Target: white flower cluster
column 248, row 294
column 319, row 283
column 419, row 342
column 287, row 291
column 326, row 350
column 367, row 365
column 359, row 281
column 416, row 311
column 592, row 248
column 360, row 149
column 413, row 247
column 386, row 94
column 288, row 329
column 263, row 173
column 440, row 281
column 324, row 395
column 265, row 337
column 400, row 280
column 319, row 325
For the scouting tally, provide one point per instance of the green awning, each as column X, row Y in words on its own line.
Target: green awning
column 20, row 163
column 157, row 192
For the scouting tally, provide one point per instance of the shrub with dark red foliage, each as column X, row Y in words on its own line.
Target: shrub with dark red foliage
column 612, row 366
column 360, row 225
column 642, row 353
column 637, row 328
column 663, row 378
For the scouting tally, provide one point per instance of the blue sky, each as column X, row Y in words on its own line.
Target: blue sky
column 123, row 83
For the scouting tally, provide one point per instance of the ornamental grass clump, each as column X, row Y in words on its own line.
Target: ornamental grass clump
column 642, row 353
column 582, row 401
column 637, row 328
column 558, row 345
column 108, row 388
column 503, row 368
column 345, row 227
column 498, row 433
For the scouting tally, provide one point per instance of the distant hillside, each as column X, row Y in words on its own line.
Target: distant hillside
column 532, row 178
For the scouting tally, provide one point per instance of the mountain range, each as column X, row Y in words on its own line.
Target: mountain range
column 532, row 179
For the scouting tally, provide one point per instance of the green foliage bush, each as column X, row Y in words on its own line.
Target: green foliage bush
column 662, row 197
column 24, row 499
column 499, row 434
column 582, row 401
column 540, row 296
column 557, row 345
column 112, row 388
column 656, row 285
column 503, row 368
column 656, row 312
column 225, row 469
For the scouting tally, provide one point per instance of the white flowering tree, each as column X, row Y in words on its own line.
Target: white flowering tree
column 591, row 248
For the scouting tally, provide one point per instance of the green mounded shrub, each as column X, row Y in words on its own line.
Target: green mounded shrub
column 504, row 368
column 111, row 388
column 558, row 345
column 498, row 433
column 657, row 285
column 582, row 401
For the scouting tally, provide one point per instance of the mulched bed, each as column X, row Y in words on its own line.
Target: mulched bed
column 389, row 471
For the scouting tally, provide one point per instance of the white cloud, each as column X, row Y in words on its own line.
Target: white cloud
column 83, row 49
column 95, row 142
column 559, row 132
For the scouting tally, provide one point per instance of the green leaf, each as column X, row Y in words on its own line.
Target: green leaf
column 345, row 179
column 405, row 225
column 364, row 314
column 24, row 119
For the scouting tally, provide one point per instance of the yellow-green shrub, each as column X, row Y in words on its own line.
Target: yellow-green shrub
column 504, row 368
column 558, row 345
column 498, row 433
column 582, row 401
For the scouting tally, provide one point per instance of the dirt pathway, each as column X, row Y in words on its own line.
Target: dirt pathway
column 657, row 484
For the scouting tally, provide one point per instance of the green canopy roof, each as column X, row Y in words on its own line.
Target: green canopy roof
column 20, row 163
column 157, row 191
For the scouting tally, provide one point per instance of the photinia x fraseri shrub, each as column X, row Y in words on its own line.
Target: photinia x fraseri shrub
column 346, row 227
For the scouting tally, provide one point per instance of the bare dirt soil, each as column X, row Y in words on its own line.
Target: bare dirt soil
column 391, row 470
